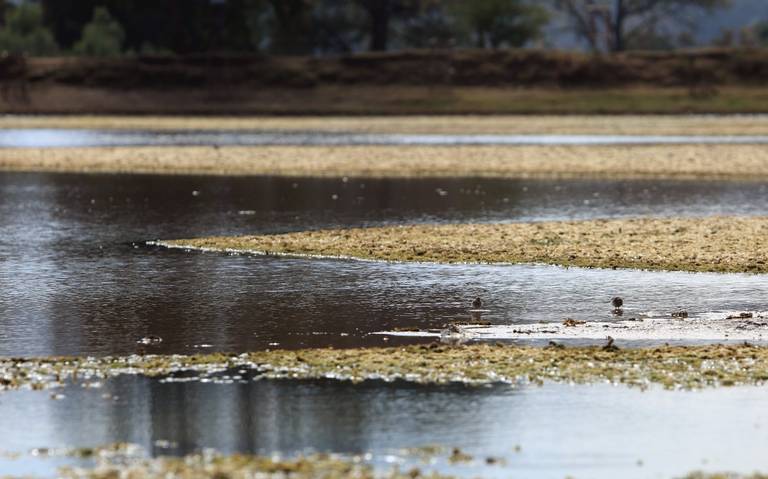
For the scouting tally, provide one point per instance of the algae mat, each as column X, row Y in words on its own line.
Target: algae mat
column 688, row 162
column 714, row 244
column 672, row 367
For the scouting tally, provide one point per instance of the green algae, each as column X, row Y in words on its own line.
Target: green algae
column 687, row 367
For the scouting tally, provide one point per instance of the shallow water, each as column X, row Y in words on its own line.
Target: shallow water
column 580, row 431
column 48, row 138
column 72, row 283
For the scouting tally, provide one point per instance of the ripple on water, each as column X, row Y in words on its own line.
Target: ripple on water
column 73, row 284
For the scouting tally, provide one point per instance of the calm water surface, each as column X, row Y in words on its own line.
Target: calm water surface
column 46, row 138
column 72, row 282
column 595, row 431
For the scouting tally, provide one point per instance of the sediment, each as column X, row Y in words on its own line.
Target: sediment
column 684, row 162
column 712, row 244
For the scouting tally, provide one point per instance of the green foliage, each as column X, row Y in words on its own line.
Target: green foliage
column 497, row 23
column 24, row 32
column 102, row 37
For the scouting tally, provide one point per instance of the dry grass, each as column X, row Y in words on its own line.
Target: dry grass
column 736, row 162
column 719, row 244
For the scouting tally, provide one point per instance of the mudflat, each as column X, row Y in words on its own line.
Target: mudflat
column 724, row 162
column 713, row 244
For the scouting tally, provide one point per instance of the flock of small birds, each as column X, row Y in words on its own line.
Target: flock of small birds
column 454, row 330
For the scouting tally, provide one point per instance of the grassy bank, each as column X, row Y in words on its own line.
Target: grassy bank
column 699, row 162
column 718, row 244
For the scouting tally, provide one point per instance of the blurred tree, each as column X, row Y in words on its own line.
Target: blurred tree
column 336, row 26
column 431, row 28
column 381, row 14
column 24, row 32
column 180, row 26
column 102, row 37
column 493, row 23
column 613, row 21
column 290, row 26
column 761, row 33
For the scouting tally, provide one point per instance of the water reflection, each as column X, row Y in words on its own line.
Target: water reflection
column 72, row 283
column 49, row 138
column 586, row 431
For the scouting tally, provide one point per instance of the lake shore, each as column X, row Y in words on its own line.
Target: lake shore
column 687, row 162
column 713, row 244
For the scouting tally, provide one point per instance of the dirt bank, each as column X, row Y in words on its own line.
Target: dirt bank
column 717, row 244
column 409, row 82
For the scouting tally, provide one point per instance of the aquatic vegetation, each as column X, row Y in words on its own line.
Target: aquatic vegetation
column 715, row 244
column 479, row 364
column 210, row 464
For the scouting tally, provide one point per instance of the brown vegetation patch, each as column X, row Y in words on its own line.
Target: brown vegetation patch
column 716, row 244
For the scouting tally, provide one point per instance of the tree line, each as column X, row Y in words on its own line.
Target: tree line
column 322, row 27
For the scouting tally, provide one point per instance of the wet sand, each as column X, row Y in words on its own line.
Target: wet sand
column 731, row 326
column 727, row 162
column 714, row 244
column 458, row 124
column 671, row 367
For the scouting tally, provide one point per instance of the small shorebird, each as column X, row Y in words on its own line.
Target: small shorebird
column 617, row 303
column 477, row 303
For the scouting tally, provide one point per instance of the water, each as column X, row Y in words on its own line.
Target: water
column 597, row 431
column 72, row 282
column 49, row 138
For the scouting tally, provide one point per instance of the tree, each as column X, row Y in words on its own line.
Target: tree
column 761, row 33
column 611, row 22
column 24, row 32
column 380, row 15
column 102, row 37
column 290, row 26
column 336, row 26
column 493, row 23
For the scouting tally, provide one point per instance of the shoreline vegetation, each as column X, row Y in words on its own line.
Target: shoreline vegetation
column 683, row 162
column 687, row 367
column 405, row 82
column 710, row 244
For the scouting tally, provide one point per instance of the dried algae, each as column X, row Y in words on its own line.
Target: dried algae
column 479, row 364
